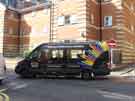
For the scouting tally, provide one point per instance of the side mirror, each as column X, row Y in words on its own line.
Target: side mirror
column 26, row 54
column 34, row 57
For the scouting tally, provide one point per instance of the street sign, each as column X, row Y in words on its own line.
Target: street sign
column 111, row 43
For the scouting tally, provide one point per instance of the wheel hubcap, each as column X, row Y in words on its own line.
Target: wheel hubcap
column 92, row 75
column 86, row 75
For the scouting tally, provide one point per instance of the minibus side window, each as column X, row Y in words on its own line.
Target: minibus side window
column 43, row 56
column 35, row 54
column 75, row 52
column 38, row 53
column 60, row 53
column 56, row 55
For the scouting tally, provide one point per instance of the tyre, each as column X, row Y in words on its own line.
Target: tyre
column 18, row 70
column 0, row 82
column 88, row 75
column 26, row 74
column 85, row 75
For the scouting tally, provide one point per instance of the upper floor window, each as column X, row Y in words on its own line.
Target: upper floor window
column 68, row 19
column 73, row 19
column 108, row 21
column 61, row 20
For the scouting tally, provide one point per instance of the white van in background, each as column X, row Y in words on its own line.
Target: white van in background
column 2, row 68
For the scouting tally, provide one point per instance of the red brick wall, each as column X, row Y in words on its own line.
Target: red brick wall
column 121, row 31
column 11, row 38
column 108, row 10
column 93, row 31
column 2, row 13
column 129, row 34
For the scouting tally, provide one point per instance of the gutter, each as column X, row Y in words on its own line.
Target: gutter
column 100, row 14
column 31, row 8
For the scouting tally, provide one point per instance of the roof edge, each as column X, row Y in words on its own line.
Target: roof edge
column 32, row 8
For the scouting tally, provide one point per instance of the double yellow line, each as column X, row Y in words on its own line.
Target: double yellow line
column 4, row 96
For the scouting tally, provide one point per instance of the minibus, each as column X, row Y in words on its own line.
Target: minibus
column 62, row 59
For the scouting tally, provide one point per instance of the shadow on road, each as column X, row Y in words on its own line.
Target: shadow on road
column 65, row 78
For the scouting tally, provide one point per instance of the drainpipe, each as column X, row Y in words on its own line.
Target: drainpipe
column 19, row 32
column 100, row 14
column 51, row 20
column 50, row 35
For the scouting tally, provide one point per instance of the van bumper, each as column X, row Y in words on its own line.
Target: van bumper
column 101, row 72
column 2, row 78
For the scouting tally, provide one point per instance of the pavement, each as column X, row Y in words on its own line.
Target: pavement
column 124, row 72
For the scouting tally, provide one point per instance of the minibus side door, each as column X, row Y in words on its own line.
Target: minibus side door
column 71, row 65
column 34, row 59
column 55, row 63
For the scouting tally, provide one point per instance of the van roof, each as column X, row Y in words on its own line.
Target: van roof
column 66, row 45
column 70, row 43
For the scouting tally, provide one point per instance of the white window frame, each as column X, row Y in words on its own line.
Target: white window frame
column 61, row 20
column 109, row 22
column 73, row 19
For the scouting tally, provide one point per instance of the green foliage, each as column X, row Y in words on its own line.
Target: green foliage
column 26, row 53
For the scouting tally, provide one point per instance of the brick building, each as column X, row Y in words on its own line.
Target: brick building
column 27, row 26
column 122, row 26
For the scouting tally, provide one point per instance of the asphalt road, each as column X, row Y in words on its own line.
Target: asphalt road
column 60, row 89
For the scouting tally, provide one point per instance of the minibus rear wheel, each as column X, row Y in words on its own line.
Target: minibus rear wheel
column 27, row 74
column 85, row 75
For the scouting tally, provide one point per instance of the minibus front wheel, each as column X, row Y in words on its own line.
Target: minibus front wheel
column 86, row 75
column 27, row 74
